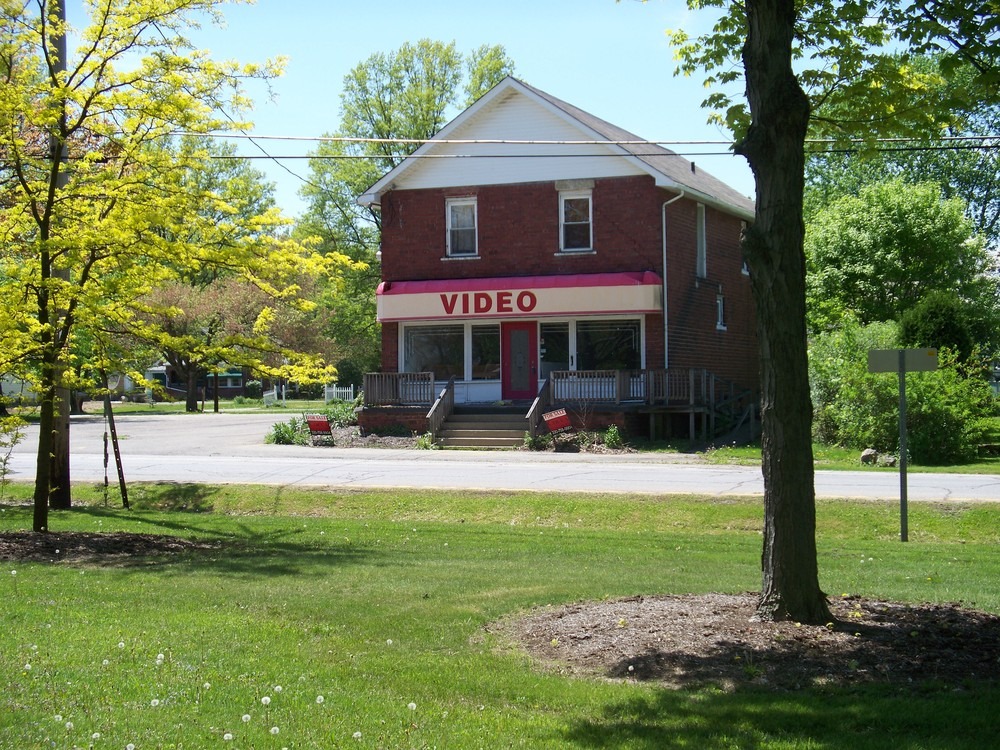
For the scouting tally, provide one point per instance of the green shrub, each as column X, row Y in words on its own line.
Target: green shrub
column 947, row 410
column 341, row 413
column 537, row 443
column 613, row 438
column 293, row 432
column 426, row 442
column 253, row 389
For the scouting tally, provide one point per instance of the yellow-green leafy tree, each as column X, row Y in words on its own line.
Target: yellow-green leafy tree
column 95, row 213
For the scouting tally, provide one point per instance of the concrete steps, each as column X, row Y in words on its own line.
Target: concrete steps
column 480, row 430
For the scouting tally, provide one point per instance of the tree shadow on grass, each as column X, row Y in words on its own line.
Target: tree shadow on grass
column 833, row 719
column 164, row 542
column 174, row 497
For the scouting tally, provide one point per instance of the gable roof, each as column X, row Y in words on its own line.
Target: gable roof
column 669, row 169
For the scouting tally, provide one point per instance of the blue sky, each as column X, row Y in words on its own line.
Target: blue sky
column 610, row 59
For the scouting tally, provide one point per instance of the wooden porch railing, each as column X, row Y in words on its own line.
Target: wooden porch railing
column 678, row 386
column 442, row 408
column 542, row 402
column 399, row 388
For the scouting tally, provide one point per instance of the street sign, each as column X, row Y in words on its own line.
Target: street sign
column 914, row 360
column 902, row 361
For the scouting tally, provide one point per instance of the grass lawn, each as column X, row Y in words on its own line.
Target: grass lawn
column 357, row 619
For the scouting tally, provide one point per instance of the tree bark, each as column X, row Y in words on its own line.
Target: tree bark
column 191, row 398
column 774, row 148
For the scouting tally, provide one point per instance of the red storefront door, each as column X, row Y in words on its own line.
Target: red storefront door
column 519, row 360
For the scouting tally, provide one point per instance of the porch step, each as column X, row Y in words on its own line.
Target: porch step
column 476, row 430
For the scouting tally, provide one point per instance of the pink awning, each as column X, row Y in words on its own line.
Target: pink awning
column 567, row 281
column 520, row 297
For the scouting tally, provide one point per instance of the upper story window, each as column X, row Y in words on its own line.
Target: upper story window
column 461, row 214
column 701, row 266
column 576, row 221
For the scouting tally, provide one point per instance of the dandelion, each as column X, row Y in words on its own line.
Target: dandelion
column 274, row 730
column 356, row 735
column 27, row 667
column 155, row 702
column 57, row 717
column 227, row 736
column 207, row 686
column 412, row 706
column 319, row 699
column 388, row 642
column 130, row 746
column 277, row 688
column 246, row 718
column 121, row 644
column 95, row 736
column 69, row 725
column 265, row 701
column 105, row 663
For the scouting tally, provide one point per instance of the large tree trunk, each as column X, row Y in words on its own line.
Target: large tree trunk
column 191, row 400
column 60, row 487
column 46, row 424
column 774, row 246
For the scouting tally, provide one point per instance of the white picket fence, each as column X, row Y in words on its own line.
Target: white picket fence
column 330, row 393
column 338, row 393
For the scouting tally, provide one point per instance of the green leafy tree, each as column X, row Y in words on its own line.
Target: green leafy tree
column 390, row 104
column 94, row 215
column 878, row 253
column 947, row 410
column 841, row 55
column 939, row 319
column 956, row 158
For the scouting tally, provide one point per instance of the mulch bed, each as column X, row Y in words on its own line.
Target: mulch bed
column 714, row 639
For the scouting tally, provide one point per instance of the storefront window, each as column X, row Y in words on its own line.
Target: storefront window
column 554, row 347
column 437, row 349
column 608, row 345
column 486, row 352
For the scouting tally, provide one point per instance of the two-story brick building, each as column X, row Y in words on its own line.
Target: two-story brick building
column 531, row 243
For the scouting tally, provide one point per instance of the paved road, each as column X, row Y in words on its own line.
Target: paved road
column 229, row 448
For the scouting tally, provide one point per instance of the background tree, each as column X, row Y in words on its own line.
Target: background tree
column 840, row 53
column 947, row 410
column 957, row 158
column 880, row 252
column 97, row 218
column 390, row 104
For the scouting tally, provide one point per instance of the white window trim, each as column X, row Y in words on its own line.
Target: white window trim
column 464, row 201
column 701, row 257
column 568, row 195
column 720, row 312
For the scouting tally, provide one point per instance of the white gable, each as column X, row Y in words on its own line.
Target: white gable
column 529, row 130
column 513, row 117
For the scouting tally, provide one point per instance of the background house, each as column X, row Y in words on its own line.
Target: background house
column 531, row 243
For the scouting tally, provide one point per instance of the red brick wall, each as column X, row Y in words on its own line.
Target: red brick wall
column 518, row 229
column 694, row 340
column 374, row 420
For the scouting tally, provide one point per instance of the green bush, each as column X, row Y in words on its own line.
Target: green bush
column 293, row 432
column 253, row 389
column 538, row 442
column 341, row 413
column 613, row 437
column 947, row 410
